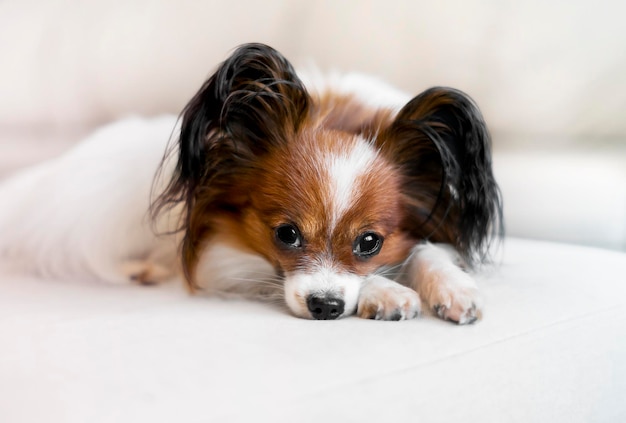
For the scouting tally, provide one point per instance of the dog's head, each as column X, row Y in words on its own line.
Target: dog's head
column 323, row 187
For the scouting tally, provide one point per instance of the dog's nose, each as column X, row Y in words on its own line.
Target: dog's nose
column 325, row 308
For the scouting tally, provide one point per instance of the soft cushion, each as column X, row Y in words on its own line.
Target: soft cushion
column 551, row 347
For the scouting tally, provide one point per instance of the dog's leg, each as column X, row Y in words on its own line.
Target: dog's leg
column 435, row 272
column 383, row 299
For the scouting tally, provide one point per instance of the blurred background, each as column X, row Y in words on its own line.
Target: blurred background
column 550, row 77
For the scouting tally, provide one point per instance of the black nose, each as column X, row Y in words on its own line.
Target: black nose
column 325, row 308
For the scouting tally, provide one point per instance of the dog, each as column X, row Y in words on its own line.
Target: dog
column 338, row 196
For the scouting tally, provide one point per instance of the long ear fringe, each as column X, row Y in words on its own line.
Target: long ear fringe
column 451, row 159
column 253, row 101
column 233, row 116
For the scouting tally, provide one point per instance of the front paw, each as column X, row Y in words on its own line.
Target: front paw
column 454, row 296
column 383, row 299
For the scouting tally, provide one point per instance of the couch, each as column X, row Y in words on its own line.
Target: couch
column 552, row 344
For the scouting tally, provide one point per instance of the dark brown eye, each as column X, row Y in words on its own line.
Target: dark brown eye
column 367, row 244
column 289, row 236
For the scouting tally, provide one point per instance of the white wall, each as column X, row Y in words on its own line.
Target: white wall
column 535, row 67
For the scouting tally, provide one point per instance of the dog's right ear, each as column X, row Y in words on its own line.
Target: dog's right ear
column 252, row 103
column 253, row 100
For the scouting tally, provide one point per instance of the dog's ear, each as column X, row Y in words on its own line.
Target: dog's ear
column 254, row 101
column 441, row 143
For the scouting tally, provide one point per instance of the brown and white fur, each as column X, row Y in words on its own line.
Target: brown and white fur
column 338, row 196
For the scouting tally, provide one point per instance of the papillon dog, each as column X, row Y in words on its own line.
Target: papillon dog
column 338, row 196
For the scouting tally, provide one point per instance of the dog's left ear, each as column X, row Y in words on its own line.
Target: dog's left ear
column 441, row 143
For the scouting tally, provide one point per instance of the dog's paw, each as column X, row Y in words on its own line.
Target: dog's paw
column 145, row 272
column 453, row 295
column 383, row 299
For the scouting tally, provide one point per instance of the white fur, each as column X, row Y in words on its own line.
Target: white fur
column 325, row 280
column 344, row 169
column 433, row 271
column 84, row 214
column 226, row 270
column 387, row 300
column 369, row 90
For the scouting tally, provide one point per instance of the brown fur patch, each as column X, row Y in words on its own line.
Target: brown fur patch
column 293, row 187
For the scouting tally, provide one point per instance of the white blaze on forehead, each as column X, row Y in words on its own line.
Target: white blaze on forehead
column 344, row 168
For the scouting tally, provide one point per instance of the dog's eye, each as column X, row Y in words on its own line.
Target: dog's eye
column 289, row 236
column 367, row 244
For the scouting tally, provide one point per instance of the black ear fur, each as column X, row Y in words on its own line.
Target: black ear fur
column 252, row 102
column 252, row 94
column 443, row 146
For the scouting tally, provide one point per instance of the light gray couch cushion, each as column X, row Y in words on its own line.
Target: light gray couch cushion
column 551, row 347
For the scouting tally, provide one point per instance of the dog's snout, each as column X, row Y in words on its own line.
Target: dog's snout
column 325, row 308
